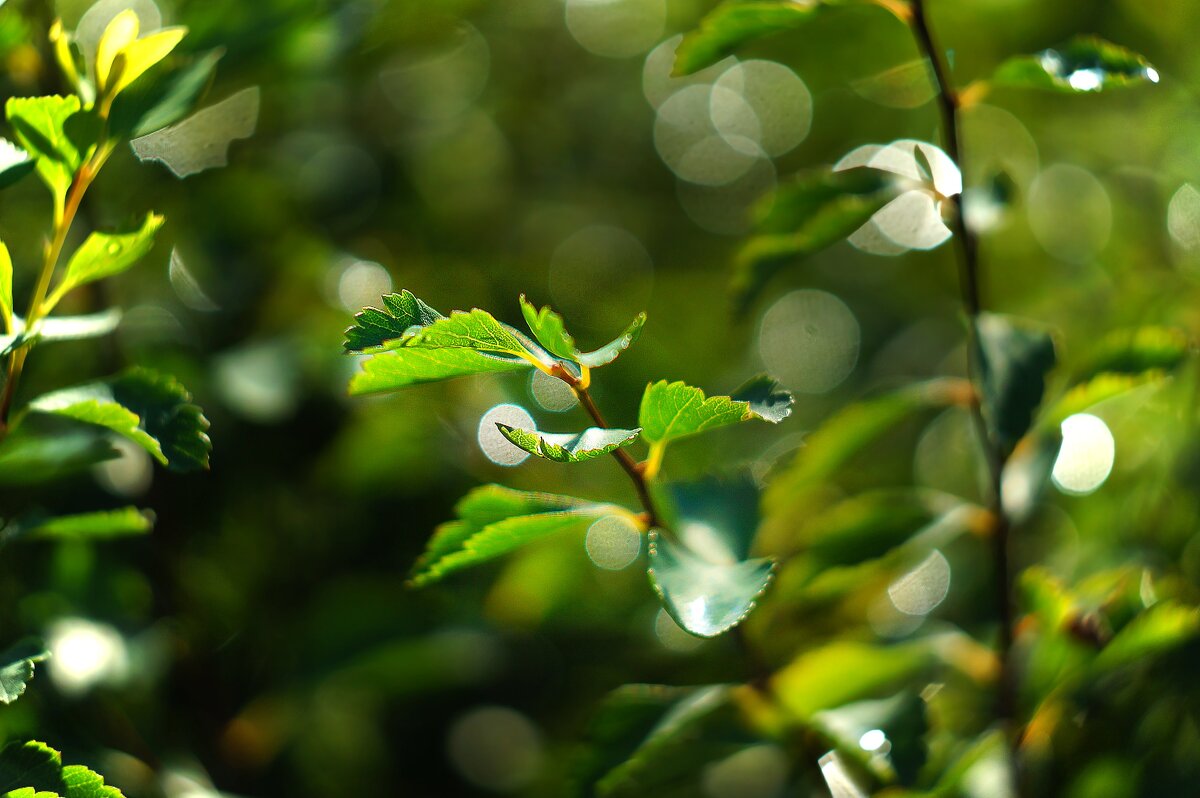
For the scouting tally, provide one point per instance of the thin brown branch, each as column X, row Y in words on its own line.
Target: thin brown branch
column 627, row 463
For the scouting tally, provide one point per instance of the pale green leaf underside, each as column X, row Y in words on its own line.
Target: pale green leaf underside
column 17, row 668
column 493, row 521
column 569, row 447
column 705, row 598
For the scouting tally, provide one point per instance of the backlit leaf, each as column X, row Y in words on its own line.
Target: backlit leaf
column 15, row 163
column 569, row 448
column 374, row 327
column 202, row 140
column 612, row 350
column 156, row 102
column 1084, row 64
column 550, row 330
column 55, row 132
column 6, row 287
column 1137, row 350
column 100, row 525
column 734, row 23
column 674, row 410
column 105, row 254
column 1014, row 360
column 17, row 668
column 841, row 672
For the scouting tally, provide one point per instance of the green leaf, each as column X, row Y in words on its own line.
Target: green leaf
column 30, row 764
column 612, row 350
column 674, row 410
column 494, row 520
column 6, row 287
column 734, row 23
column 83, row 783
column 1088, row 394
column 812, row 211
column 154, row 103
column 400, row 368
column 105, row 254
column 766, row 398
column 1162, row 627
column 570, row 447
column 17, row 666
column 1136, row 351
column 550, row 330
column 705, row 597
column 56, row 133
column 153, row 410
column 45, row 448
column 373, row 327
column 868, row 525
column 841, row 672
column 15, row 163
column 1014, row 360
column 78, row 328
column 1084, row 64
column 100, row 525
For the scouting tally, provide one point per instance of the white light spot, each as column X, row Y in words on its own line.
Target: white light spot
column 911, row 221
column 695, row 611
column 362, row 283
column 872, row 740
column 1070, row 213
column 1086, row 80
column 551, row 393
column 841, row 785
column 259, row 381
column 1086, row 457
column 84, row 653
column 493, row 444
column 129, row 474
column 613, row 542
column 809, row 341
column 1152, row 74
column 657, row 82
column 923, row 588
column 759, row 771
column 692, row 146
column 773, row 96
column 1183, row 217
column 496, row 748
column 672, row 636
column 616, row 28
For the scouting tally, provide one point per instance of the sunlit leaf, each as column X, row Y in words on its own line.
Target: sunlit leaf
column 202, row 140
column 78, row 328
column 6, row 287
column 55, row 132
column 674, row 410
column 1084, row 64
column 734, row 23
column 842, row 672
column 1014, row 360
column 374, row 327
column 156, row 102
column 30, row 764
column 15, row 163
column 120, row 32
column 152, row 410
column 494, row 520
column 571, row 447
column 105, row 254
column 1162, row 627
column 705, row 596
column 139, row 56
column 1101, row 388
column 812, row 211
column 44, row 448
column 1137, row 350
column 17, row 668
column 100, row 525
column 612, row 350
column 550, row 330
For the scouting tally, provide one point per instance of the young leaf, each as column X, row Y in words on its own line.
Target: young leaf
column 373, row 327
column 6, row 288
column 17, row 666
column 674, row 410
column 53, row 130
column 105, row 254
column 150, row 409
column 1084, row 64
column 15, row 163
column 550, row 330
column 569, row 448
column 1013, row 363
column 494, row 520
column 612, row 350
column 735, row 22
column 704, row 597
column 139, row 56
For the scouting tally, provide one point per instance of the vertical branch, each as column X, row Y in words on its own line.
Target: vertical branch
column 969, row 278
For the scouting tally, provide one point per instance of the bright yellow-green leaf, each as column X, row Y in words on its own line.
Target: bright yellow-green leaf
column 105, row 254
column 6, row 278
column 56, row 132
column 139, row 56
column 121, row 32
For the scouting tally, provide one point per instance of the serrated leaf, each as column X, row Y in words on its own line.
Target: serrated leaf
column 706, row 598
column 734, row 23
column 612, row 350
column 80, row 782
column 151, row 409
column 1162, row 627
column 56, row 133
column 674, row 410
column 812, row 211
column 569, row 447
column 105, row 254
column 374, row 327
column 1084, row 64
column 17, row 668
column 493, row 521
column 30, row 764
column 1014, row 360
column 842, row 672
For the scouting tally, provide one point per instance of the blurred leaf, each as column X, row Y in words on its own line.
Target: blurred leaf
column 813, row 210
column 705, row 596
column 494, row 520
column 17, row 666
column 100, row 525
column 1014, row 360
column 139, row 56
column 868, row 525
column 1084, row 64
column 1099, row 389
column 1137, row 350
column 734, row 23
column 373, row 327
column 78, row 328
column 6, row 287
column 674, row 410
column 202, row 141
column 44, row 448
column 901, row 718
column 842, row 672
column 15, row 163
column 54, row 131
column 153, row 410
column 570, row 447
column 105, row 254
column 1160, row 628
column 157, row 102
